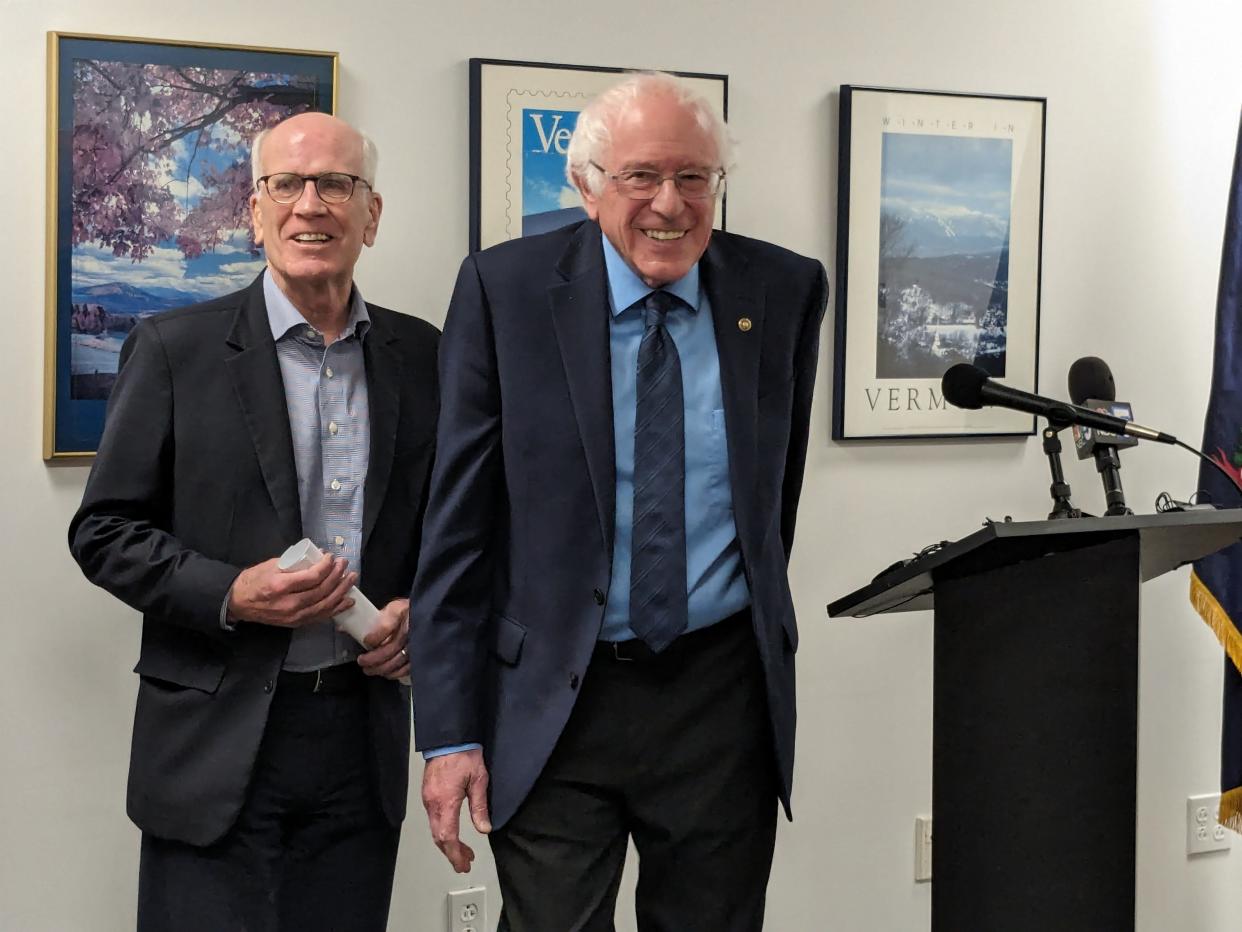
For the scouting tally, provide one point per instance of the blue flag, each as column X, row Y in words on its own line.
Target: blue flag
column 1216, row 583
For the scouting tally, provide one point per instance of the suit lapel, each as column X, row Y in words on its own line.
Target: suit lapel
column 738, row 314
column 261, row 393
column 580, row 318
column 383, row 364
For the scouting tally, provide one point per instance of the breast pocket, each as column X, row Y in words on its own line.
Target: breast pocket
column 717, row 438
column 707, row 464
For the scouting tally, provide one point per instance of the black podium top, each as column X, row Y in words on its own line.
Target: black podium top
column 1167, row 541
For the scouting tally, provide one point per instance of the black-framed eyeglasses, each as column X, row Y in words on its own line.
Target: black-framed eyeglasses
column 332, row 187
column 641, row 184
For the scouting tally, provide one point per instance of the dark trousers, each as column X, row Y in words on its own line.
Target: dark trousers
column 674, row 750
column 311, row 849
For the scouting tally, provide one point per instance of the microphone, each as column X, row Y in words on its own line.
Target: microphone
column 967, row 386
column 1090, row 377
column 1091, row 384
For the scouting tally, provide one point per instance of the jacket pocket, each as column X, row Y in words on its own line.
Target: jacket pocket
column 507, row 637
column 187, row 669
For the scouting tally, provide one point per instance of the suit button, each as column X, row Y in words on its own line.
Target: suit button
column 267, row 687
column 599, row 596
column 573, row 681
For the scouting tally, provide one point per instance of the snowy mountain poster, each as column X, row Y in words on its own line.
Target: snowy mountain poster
column 939, row 237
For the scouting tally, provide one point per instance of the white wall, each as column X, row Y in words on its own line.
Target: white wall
column 1143, row 106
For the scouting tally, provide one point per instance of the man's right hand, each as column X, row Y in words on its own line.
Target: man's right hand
column 265, row 594
column 447, row 780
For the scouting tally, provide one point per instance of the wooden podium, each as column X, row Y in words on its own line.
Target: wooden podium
column 1035, row 718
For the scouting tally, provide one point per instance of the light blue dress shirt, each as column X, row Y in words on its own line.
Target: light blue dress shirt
column 715, row 582
column 329, row 420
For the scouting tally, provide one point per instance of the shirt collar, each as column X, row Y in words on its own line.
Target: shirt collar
column 625, row 288
column 282, row 316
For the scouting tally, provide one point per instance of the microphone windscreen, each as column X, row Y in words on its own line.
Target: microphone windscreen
column 1090, row 377
column 962, row 385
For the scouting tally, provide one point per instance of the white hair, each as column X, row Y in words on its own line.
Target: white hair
column 370, row 156
column 593, row 132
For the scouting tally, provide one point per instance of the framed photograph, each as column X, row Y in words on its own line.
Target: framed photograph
column 148, row 188
column 939, row 226
column 521, row 117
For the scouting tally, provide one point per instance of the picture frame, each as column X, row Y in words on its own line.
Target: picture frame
column 521, row 117
column 148, row 180
column 939, row 252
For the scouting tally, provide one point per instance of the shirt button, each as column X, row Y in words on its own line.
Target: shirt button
column 332, row 428
column 328, row 372
column 339, row 540
column 336, row 485
column 599, row 597
column 310, row 333
column 573, row 681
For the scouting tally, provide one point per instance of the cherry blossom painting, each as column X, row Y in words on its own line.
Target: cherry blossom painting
column 149, row 187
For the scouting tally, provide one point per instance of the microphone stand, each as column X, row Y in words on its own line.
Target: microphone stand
column 1109, row 464
column 1060, row 489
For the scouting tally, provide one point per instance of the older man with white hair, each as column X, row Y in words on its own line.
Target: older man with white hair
column 270, row 757
column 602, row 634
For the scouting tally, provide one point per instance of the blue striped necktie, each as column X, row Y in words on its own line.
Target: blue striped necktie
column 658, row 611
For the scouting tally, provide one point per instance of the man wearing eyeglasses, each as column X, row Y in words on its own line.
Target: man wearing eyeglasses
column 602, row 632
column 270, row 755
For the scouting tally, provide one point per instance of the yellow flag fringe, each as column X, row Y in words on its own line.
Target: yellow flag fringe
column 1230, row 812
column 1209, row 609
column 1217, row 619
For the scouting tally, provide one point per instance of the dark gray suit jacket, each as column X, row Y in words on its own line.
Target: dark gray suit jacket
column 194, row 481
column 518, row 539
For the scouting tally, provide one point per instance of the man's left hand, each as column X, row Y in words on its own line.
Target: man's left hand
column 387, row 640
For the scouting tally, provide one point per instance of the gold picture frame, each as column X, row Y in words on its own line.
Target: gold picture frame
column 147, row 179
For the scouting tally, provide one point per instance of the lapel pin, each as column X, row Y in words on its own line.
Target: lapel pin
column 744, row 324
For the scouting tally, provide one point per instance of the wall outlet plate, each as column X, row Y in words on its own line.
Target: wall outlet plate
column 922, row 848
column 467, row 910
column 1203, row 832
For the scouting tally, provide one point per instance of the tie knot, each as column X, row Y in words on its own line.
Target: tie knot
column 656, row 307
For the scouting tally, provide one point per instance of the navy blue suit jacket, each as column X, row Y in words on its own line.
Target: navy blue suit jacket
column 518, row 536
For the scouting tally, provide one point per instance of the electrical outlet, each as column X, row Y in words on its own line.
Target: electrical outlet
column 922, row 849
column 467, row 910
column 1203, row 832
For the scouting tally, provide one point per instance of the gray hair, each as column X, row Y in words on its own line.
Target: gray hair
column 370, row 157
column 593, row 131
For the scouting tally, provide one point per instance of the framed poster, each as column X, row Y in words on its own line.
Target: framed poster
column 148, row 188
column 521, row 117
column 939, row 227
